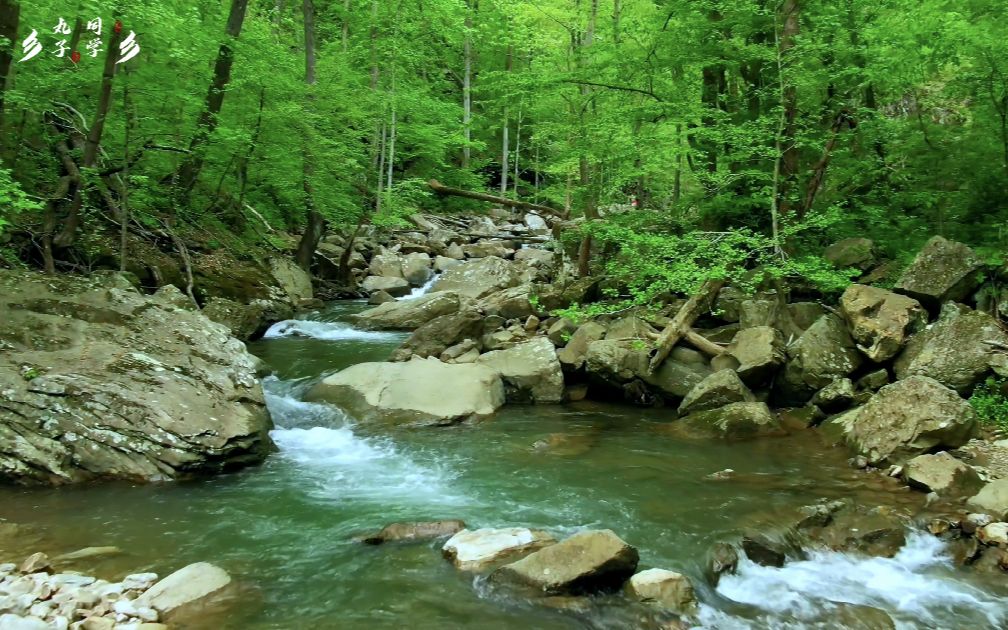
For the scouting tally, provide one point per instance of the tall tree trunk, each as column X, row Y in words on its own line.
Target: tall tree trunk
column 206, row 124
column 467, row 87
column 124, row 219
column 508, row 59
column 9, row 17
column 617, row 14
column 790, row 12
column 68, row 234
column 590, row 209
column 314, row 224
column 243, row 163
column 517, row 149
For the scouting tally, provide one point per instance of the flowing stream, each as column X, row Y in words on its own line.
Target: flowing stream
column 284, row 530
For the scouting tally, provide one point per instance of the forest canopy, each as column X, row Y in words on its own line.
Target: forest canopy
column 239, row 119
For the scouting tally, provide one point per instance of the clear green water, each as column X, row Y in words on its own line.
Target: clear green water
column 284, row 529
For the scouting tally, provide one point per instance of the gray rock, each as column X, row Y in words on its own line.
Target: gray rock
column 943, row 474
column 859, row 253
column 444, row 263
column 907, row 418
column 573, row 355
column 835, row 397
column 736, row 421
column 943, row 270
column 880, row 321
column 630, row 327
column 421, row 392
column 992, row 499
column 530, row 370
column 396, row 287
column 824, row 353
column 243, row 320
column 486, row 249
column 459, row 349
column 587, row 562
column 668, row 589
column 561, row 332
column 414, row 531
column 416, row 268
column 408, row 314
column 481, row 549
column 478, row 278
column 387, row 265
column 537, row 257
column 717, row 390
column 133, row 387
column 292, row 280
column 512, row 303
column 953, row 350
column 759, row 351
column 873, row 380
column 379, row 297
column 188, row 585
column 440, row 333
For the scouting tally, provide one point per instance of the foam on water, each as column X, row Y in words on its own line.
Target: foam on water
column 917, row 587
column 337, row 463
column 421, row 290
column 325, row 331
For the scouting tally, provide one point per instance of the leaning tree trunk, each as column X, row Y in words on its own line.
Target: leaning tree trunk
column 92, row 142
column 315, row 224
column 790, row 11
column 190, row 169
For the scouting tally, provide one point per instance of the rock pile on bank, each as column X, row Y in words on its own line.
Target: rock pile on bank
column 33, row 596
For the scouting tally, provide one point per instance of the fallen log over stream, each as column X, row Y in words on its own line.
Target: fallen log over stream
column 441, row 189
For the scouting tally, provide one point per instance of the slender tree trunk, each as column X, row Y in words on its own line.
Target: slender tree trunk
column 381, row 167
column 207, row 122
column 467, row 87
column 9, row 17
column 314, row 224
column 68, row 234
column 124, row 219
column 346, row 26
column 504, row 130
column 243, row 164
column 790, row 12
column 517, row 150
column 616, row 15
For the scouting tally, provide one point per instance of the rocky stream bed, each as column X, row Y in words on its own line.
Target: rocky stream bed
column 792, row 464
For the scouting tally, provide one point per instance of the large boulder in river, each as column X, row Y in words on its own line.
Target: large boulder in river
column 735, row 421
column 99, row 381
column 587, row 562
column 408, row 314
column 421, row 392
column 440, row 333
column 824, row 353
column 759, row 351
column 187, row 586
column 667, row 589
column 943, row 270
column 910, row 417
column 880, row 321
column 619, row 362
column 243, row 320
column 396, row 287
column 717, row 390
column 478, row 278
column 481, row 549
column 954, row 350
column 530, row 371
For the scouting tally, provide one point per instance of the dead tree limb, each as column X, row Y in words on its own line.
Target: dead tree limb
column 441, row 189
column 683, row 320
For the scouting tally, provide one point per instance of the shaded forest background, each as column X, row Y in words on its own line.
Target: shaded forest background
column 801, row 121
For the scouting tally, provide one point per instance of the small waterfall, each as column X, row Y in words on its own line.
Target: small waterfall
column 421, row 290
column 326, row 331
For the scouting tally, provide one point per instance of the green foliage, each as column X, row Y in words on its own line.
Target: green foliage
column 13, row 200
column 990, row 400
